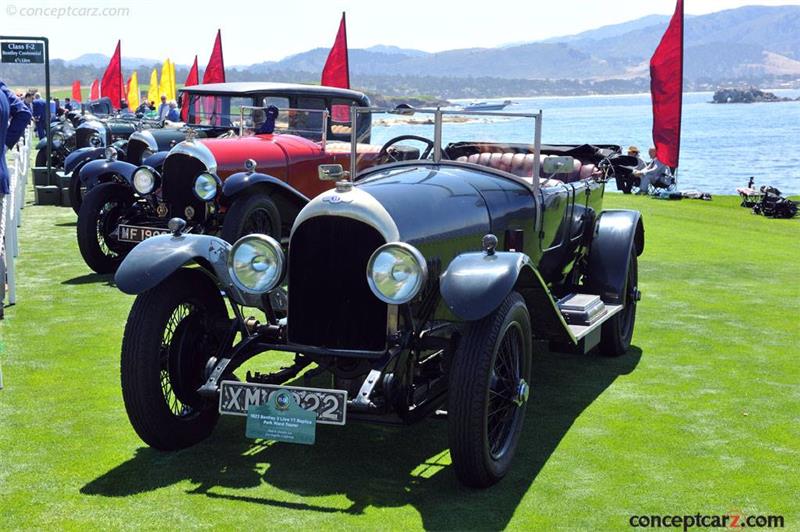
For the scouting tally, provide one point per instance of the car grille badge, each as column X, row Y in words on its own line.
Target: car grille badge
column 189, row 212
column 161, row 210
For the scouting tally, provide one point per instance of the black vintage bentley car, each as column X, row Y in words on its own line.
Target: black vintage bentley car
column 417, row 288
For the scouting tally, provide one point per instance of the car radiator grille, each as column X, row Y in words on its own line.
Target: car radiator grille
column 330, row 302
column 134, row 152
column 177, row 187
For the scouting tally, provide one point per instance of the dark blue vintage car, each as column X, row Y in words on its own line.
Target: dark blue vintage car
column 417, row 288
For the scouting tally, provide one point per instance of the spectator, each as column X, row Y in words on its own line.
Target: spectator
column 653, row 173
column 123, row 105
column 67, row 104
column 173, row 115
column 40, row 115
column 14, row 118
column 143, row 108
column 633, row 151
column 163, row 109
column 59, row 110
column 152, row 105
column 29, row 101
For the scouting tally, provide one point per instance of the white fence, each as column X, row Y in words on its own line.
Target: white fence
column 18, row 168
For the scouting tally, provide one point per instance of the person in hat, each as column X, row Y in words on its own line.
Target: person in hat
column 633, row 151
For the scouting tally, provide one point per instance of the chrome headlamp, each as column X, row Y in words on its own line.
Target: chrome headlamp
column 144, row 180
column 396, row 272
column 111, row 153
column 205, row 186
column 256, row 264
column 57, row 139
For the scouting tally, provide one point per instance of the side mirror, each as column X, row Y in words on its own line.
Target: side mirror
column 558, row 165
column 332, row 172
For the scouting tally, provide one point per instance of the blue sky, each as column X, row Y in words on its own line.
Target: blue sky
column 255, row 31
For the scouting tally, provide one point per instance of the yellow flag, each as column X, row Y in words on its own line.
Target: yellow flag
column 173, row 93
column 163, row 88
column 133, row 92
column 152, row 91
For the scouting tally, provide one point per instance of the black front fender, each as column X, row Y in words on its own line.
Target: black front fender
column 156, row 160
column 95, row 172
column 81, row 156
column 617, row 234
column 475, row 284
column 158, row 257
column 241, row 181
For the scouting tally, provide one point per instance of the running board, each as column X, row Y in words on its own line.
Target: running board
column 584, row 314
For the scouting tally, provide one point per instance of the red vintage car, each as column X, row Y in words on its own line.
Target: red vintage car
column 263, row 177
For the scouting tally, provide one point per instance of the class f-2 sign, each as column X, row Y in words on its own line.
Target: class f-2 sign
column 22, row 52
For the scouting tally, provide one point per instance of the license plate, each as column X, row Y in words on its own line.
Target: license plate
column 135, row 233
column 329, row 405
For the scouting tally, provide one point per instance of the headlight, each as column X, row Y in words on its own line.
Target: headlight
column 256, row 264
column 96, row 140
column 144, row 180
column 58, row 139
column 111, row 154
column 205, row 186
column 396, row 273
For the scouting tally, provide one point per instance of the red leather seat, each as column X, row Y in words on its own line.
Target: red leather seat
column 521, row 164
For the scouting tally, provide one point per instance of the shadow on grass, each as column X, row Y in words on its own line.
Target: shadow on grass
column 379, row 466
column 90, row 278
column 67, row 224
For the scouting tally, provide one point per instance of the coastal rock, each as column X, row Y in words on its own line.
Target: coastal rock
column 749, row 95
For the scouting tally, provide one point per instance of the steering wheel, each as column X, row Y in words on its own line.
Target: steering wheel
column 390, row 155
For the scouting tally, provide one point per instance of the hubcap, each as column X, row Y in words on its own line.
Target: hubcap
column 523, row 390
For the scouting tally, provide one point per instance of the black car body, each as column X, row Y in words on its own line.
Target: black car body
column 418, row 288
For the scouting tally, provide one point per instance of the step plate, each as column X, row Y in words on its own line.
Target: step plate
column 579, row 331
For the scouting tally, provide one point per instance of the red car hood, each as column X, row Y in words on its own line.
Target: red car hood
column 272, row 153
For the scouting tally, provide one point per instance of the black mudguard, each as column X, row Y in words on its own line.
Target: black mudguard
column 95, row 172
column 617, row 234
column 153, row 260
column 475, row 284
column 81, row 156
column 156, row 160
column 241, row 181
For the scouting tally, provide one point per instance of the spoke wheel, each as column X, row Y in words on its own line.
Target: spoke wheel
column 252, row 214
column 98, row 219
column 488, row 392
column 617, row 332
column 173, row 330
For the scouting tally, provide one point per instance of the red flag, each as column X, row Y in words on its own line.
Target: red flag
column 111, row 83
column 666, row 89
column 76, row 91
column 336, row 72
column 191, row 79
column 215, row 70
column 94, row 92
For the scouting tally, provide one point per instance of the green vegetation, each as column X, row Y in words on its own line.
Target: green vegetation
column 700, row 416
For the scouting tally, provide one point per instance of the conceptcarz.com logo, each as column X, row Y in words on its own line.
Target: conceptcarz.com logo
column 735, row 520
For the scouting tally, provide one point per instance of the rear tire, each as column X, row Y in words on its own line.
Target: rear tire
column 168, row 341
column 488, row 392
column 616, row 333
column 98, row 217
column 253, row 213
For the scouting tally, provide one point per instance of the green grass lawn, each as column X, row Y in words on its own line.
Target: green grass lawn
column 702, row 415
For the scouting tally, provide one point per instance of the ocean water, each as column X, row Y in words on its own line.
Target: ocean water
column 721, row 145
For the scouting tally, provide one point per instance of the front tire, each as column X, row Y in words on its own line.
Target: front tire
column 97, row 219
column 75, row 192
column 616, row 333
column 488, row 391
column 251, row 214
column 169, row 338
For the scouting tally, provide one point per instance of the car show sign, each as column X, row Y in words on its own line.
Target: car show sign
column 22, row 52
column 281, row 419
